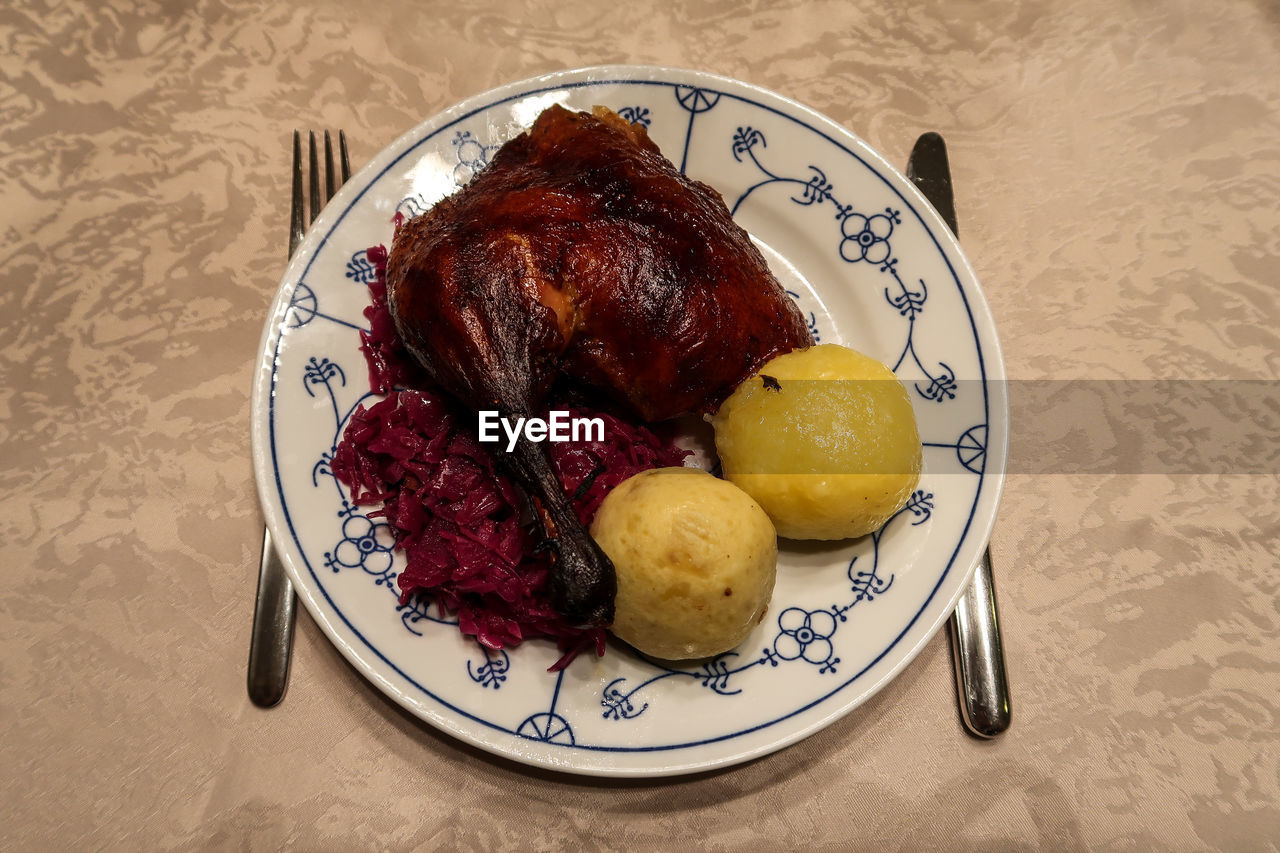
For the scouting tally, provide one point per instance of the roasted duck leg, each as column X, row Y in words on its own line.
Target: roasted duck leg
column 581, row 252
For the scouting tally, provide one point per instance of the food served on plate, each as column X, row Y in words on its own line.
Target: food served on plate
column 824, row 439
column 696, row 559
column 581, row 270
column 581, row 254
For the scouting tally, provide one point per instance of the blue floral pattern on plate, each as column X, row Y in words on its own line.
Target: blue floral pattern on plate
column 842, row 615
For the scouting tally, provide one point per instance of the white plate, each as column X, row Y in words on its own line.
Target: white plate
column 870, row 263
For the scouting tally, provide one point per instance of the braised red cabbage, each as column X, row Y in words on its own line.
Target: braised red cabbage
column 459, row 520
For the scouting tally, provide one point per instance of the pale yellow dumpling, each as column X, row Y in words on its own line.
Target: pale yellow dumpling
column 695, row 558
column 824, row 439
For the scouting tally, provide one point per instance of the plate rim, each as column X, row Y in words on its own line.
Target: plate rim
column 989, row 352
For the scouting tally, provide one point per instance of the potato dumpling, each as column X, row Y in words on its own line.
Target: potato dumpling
column 824, row 439
column 695, row 558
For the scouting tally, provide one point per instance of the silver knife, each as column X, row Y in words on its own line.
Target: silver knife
column 982, row 686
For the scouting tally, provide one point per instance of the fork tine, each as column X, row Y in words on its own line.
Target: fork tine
column 315, row 178
column 346, row 160
column 329, row 175
column 295, row 211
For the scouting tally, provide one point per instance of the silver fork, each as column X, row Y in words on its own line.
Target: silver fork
column 276, row 609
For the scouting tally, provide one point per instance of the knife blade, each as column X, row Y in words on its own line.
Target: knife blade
column 977, row 650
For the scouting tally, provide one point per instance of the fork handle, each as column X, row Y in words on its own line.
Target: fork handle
column 273, row 621
column 981, row 682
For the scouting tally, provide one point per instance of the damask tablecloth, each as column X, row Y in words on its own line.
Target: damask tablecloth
column 1117, row 167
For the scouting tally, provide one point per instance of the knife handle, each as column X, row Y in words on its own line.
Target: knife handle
column 981, row 681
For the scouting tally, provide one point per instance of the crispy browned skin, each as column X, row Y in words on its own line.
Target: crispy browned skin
column 581, row 251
